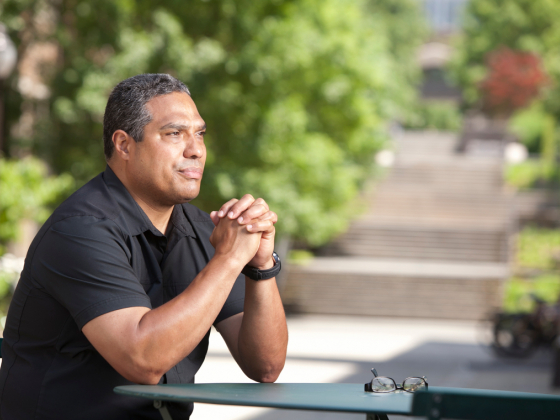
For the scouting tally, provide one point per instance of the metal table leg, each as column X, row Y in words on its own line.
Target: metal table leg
column 376, row 416
column 160, row 405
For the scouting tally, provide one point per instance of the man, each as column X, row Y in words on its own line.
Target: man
column 123, row 282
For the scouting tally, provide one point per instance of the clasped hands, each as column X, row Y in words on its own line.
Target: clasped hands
column 245, row 230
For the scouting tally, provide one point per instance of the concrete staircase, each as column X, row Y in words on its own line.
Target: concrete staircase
column 435, row 242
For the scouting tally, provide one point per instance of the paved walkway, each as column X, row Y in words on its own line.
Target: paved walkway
column 416, row 268
column 344, row 349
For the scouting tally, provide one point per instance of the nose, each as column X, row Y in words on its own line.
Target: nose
column 194, row 147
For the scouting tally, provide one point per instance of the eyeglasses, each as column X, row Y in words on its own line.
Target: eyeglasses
column 384, row 384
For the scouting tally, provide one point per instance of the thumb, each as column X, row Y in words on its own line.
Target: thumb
column 215, row 218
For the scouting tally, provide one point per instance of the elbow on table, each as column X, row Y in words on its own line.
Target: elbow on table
column 267, row 379
column 143, row 375
column 147, row 379
column 144, row 378
column 269, row 374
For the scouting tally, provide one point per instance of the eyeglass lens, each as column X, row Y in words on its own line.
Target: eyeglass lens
column 414, row 384
column 381, row 384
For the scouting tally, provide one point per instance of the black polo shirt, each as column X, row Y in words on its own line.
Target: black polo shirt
column 97, row 253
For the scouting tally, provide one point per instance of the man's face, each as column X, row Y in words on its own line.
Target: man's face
column 166, row 166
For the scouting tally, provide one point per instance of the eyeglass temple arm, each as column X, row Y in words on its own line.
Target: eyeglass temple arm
column 367, row 387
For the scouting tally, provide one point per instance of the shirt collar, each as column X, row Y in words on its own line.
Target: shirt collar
column 138, row 222
column 180, row 221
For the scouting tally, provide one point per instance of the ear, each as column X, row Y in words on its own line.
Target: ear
column 123, row 143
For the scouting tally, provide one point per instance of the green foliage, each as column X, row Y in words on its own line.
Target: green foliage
column 520, row 25
column 528, row 174
column 10, row 269
column 525, row 25
column 26, row 191
column 538, row 248
column 537, row 129
column 6, row 281
column 6, row 291
column 537, row 263
column 549, row 146
column 528, row 125
column 518, row 291
column 300, row 257
column 296, row 94
column 434, row 115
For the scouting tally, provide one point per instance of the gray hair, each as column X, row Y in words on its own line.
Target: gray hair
column 126, row 107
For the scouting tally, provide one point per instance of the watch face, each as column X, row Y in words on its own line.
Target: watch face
column 275, row 256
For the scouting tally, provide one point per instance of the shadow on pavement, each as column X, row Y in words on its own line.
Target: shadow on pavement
column 444, row 364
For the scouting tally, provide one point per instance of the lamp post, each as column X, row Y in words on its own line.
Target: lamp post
column 8, row 59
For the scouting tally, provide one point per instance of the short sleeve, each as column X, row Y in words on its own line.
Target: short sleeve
column 235, row 301
column 84, row 263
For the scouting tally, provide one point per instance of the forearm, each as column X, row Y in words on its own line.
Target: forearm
column 263, row 336
column 158, row 339
column 180, row 324
column 258, row 337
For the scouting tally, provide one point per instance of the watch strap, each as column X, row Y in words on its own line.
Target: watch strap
column 256, row 274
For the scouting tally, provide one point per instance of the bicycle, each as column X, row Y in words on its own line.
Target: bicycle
column 519, row 335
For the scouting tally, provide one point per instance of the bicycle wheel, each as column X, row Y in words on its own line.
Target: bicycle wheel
column 514, row 335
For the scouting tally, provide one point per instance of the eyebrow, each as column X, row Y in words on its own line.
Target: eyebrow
column 181, row 127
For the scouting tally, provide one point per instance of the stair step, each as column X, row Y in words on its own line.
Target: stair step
column 408, row 289
column 435, row 242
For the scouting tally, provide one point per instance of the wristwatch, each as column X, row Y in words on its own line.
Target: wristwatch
column 256, row 274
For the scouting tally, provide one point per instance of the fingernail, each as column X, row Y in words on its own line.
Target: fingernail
column 240, row 219
column 230, row 214
column 249, row 227
column 221, row 213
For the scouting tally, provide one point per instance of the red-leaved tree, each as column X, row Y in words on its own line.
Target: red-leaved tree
column 514, row 79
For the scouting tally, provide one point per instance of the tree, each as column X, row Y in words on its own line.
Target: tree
column 520, row 25
column 514, row 80
column 27, row 191
column 525, row 27
column 296, row 94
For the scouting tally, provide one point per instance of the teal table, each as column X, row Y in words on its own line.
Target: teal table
column 434, row 404
column 350, row 398
column 484, row 404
